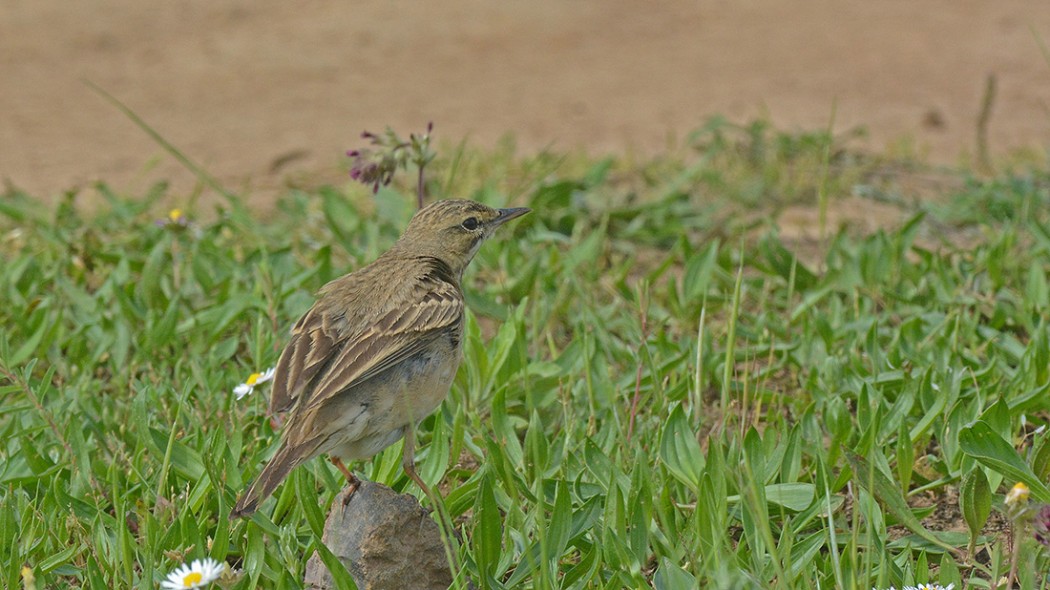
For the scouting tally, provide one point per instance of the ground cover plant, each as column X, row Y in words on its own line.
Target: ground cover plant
column 662, row 387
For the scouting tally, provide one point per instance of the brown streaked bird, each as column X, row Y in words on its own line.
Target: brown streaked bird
column 378, row 350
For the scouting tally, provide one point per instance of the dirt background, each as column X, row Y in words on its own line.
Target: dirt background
column 256, row 91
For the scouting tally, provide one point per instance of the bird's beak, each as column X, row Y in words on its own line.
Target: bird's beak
column 506, row 215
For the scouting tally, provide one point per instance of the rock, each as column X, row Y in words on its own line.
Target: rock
column 386, row 541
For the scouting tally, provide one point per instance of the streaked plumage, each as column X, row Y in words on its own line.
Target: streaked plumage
column 379, row 349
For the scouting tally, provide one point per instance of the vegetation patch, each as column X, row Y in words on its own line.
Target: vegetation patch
column 662, row 386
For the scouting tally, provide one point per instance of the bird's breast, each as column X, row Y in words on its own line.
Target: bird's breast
column 428, row 377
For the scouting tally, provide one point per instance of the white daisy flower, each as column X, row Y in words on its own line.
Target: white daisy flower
column 923, row 587
column 254, row 379
column 198, row 574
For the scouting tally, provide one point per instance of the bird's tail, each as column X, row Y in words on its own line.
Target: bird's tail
column 286, row 459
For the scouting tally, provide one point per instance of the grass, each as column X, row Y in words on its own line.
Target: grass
column 660, row 389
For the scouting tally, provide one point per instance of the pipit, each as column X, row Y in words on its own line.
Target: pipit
column 378, row 350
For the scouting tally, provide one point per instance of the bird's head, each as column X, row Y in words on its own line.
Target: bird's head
column 454, row 229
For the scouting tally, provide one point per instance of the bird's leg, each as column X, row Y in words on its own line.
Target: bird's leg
column 276, row 420
column 351, row 479
column 408, row 460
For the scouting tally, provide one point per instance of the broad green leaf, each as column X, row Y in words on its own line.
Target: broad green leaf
column 58, row 559
column 502, row 345
column 975, row 502
column 254, row 552
column 1041, row 458
column 804, row 551
column 185, row 461
column 585, row 517
column 934, row 412
column 29, row 345
column 791, row 464
column 561, row 522
column 754, row 453
column 949, row 574
column 698, row 272
column 793, row 496
column 488, row 531
column 669, row 576
column 434, row 466
column 988, row 448
column 914, row 542
column 905, row 456
column 307, row 495
column 890, row 496
column 997, row 417
column 680, row 451
column 340, row 575
column 638, row 530
column 535, row 447
column 162, row 330
column 341, row 217
column 584, row 570
column 148, row 286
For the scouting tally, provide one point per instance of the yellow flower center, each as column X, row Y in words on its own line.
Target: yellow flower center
column 192, row 579
column 175, row 214
column 253, row 378
column 1017, row 495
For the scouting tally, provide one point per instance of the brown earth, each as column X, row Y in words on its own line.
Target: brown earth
column 255, row 91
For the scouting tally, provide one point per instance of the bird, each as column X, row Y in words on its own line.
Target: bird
column 378, row 350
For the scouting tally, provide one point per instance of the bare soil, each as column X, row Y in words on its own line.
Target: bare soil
column 257, row 91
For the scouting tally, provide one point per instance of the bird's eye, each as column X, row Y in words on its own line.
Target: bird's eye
column 471, row 223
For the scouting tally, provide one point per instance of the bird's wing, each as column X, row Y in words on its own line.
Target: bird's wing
column 322, row 365
column 314, row 341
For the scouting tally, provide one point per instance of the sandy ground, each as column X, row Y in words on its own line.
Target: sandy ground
column 242, row 86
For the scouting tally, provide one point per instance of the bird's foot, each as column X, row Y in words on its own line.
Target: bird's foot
column 351, row 489
column 351, row 480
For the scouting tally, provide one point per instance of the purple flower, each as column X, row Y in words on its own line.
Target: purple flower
column 387, row 153
column 376, row 169
column 1041, row 525
column 176, row 219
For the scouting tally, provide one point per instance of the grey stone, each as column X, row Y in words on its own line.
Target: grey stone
column 385, row 540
